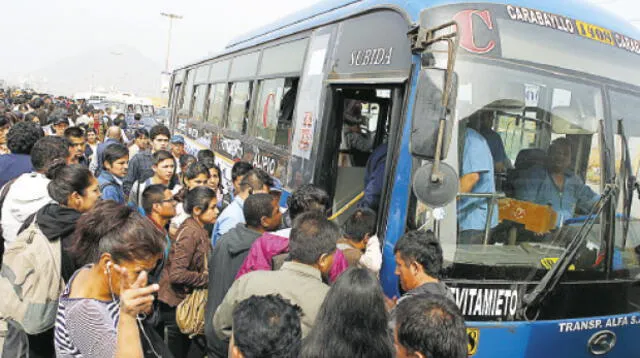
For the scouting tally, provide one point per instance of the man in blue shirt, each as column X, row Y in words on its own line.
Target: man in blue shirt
column 113, row 136
column 476, row 177
column 374, row 178
column 500, row 160
column 555, row 184
column 254, row 182
column 20, row 140
column 116, row 164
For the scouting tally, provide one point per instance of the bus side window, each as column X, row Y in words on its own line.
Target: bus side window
column 274, row 111
column 217, row 93
column 187, row 94
column 239, row 103
column 199, row 99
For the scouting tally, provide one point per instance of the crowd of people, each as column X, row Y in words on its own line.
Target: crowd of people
column 117, row 245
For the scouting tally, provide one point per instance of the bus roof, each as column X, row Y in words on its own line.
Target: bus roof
column 329, row 11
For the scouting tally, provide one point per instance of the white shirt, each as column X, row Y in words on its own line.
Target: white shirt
column 26, row 196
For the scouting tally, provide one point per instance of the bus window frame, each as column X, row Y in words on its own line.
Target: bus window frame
column 203, row 114
column 253, row 119
column 225, row 103
column 251, row 99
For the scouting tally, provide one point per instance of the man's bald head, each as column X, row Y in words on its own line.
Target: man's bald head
column 114, row 132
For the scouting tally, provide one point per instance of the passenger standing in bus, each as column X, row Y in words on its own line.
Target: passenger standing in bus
column 555, row 184
column 356, row 139
column 500, row 159
column 476, row 176
column 374, row 178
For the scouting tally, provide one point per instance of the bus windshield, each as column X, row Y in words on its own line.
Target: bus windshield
column 528, row 155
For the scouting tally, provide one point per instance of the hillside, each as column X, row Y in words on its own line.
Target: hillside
column 119, row 68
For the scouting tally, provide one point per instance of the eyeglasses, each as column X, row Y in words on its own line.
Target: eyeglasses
column 172, row 201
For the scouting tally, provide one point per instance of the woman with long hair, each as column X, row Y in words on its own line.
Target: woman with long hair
column 100, row 313
column 215, row 182
column 193, row 176
column 74, row 191
column 186, row 269
column 352, row 321
column 164, row 167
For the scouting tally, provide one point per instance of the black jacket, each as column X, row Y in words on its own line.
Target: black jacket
column 224, row 263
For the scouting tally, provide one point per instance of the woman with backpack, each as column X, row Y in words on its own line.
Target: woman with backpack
column 164, row 167
column 102, row 309
column 186, row 269
column 115, row 163
column 74, row 191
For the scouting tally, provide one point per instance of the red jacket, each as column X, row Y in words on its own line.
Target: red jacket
column 269, row 245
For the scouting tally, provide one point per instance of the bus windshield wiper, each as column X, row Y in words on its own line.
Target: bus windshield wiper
column 551, row 278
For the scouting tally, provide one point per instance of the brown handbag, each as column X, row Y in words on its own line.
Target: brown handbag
column 190, row 312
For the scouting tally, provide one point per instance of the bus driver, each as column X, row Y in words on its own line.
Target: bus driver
column 555, row 184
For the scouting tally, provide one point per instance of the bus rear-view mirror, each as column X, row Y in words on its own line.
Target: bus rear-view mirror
column 429, row 109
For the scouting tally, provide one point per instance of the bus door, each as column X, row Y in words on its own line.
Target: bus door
column 355, row 145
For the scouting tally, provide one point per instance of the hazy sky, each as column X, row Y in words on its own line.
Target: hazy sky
column 40, row 32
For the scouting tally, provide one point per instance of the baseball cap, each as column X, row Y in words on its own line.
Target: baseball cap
column 177, row 139
column 277, row 186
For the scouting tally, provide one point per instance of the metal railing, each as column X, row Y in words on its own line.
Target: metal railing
column 493, row 200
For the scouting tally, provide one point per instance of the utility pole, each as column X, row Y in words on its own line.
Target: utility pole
column 166, row 74
column 171, row 18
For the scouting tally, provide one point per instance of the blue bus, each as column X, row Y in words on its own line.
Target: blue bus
column 472, row 104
